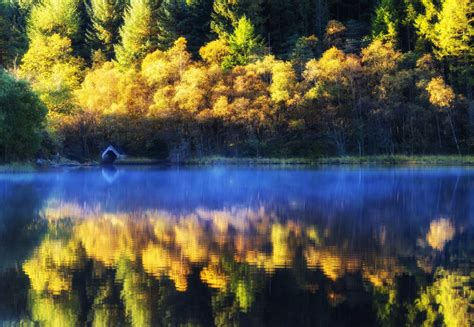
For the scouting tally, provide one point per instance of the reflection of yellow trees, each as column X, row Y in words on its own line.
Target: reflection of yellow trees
column 449, row 297
column 112, row 237
column 158, row 262
column 52, row 265
column 441, row 231
column 135, row 294
column 227, row 243
column 332, row 263
column 381, row 271
column 54, row 311
column 282, row 253
column 105, row 314
column 214, row 276
column 191, row 237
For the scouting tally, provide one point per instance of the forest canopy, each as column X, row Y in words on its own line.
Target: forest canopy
column 178, row 78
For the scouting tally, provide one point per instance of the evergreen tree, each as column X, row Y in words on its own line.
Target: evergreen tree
column 448, row 28
column 106, row 18
column 454, row 32
column 55, row 17
column 385, row 22
column 185, row 18
column 139, row 33
column 243, row 44
column 227, row 13
column 13, row 41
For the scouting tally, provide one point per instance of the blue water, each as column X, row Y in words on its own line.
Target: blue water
column 233, row 245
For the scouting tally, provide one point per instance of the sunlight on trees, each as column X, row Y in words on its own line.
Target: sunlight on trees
column 53, row 72
column 50, row 17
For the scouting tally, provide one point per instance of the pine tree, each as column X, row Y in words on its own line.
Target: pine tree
column 187, row 18
column 448, row 28
column 243, row 44
column 106, row 18
column 454, row 31
column 13, row 41
column 139, row 33
column 55, row 17
column 227, row 13
column 385, row 22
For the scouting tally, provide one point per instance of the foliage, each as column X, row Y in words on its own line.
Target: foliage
column 50, row 17
column 13, row 41
column 21, row 118
column 53, row 71
column 227, row 14
column 106, row 18
column 139, row 32
column 447, row 300
column 385, row 22
column 243, row 44
column 282, row 78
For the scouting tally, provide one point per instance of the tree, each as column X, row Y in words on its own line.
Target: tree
column 53, row 71
column 21, row 119
column 226, row 15
column 215, row 52
column 13, row 42
column 334, row 34
column 303, row 51
column 243, row 44
column 385, row 22
column 106, row 18
column 139, row 33
column 185, row 18
column 442, row 96
column 51, row 17
column 454, row 30
column 448, row 28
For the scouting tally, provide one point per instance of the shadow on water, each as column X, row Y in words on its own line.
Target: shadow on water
column 246, row 246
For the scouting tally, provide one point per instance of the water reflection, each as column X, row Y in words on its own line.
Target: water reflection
column 296, row 261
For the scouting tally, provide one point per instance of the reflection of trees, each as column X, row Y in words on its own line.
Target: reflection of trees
column 441, row 231
column 51, row 267
column 62, row 310
column 449, row 300
column 154, row 260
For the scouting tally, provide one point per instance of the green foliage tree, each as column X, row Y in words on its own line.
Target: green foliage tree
column 226, row 15
column 50, row 17
column 385, row 22
column 243, row 44
column 21, row 119
column 304, row 50
column 106, row 18
column 139, row 33
column 448, row 27
column 185, row 18
column 13, row 41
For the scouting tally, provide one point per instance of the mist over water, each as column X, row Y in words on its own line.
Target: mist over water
column 235, row 245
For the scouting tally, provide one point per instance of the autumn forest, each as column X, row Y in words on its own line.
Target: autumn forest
column 172, row 79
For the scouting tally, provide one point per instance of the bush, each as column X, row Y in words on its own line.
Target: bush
column 21, row 119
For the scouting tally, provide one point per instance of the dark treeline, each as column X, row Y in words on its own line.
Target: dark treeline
column 178, row 78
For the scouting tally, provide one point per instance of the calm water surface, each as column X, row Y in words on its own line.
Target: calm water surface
column 237, row 246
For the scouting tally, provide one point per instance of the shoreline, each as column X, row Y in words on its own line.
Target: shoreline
column 397, row 160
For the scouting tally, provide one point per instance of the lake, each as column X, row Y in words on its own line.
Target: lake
column 237, row 246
